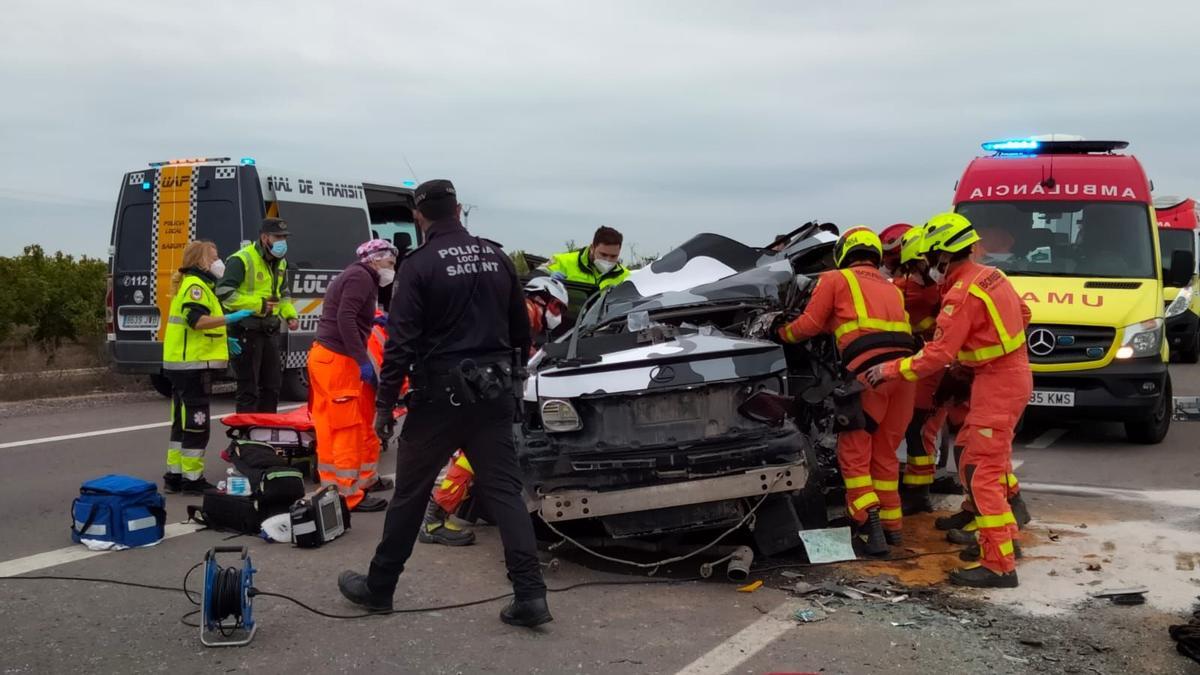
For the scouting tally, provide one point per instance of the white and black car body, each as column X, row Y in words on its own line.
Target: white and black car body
column 641, row 419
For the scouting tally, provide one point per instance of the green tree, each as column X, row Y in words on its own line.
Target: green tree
column 59, row 298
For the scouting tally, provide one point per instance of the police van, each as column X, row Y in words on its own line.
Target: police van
column 1178, row 219
column 168, row 204
column 1071, row 222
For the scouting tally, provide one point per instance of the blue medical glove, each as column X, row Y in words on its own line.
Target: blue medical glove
column 366, row 372
column 380, row 320
column 235, row 347
column 235, row 317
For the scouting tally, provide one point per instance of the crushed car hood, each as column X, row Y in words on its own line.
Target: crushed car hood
column 685, row 360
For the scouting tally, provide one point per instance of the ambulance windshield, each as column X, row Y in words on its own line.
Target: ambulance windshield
column 1065, row 239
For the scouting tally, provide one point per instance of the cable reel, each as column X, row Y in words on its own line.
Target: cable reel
column 227, row 616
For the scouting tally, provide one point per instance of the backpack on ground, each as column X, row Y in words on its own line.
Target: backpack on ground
column 121, row 510
column 275, row 484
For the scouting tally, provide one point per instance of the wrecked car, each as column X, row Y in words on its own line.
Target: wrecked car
column 670, row 410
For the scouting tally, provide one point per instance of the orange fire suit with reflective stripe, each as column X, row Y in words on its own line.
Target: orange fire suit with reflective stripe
column 853, row 304
column 921, row 302
column 982, row 325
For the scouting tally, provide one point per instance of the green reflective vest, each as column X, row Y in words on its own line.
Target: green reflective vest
column 259, row 282
column 578, row 268
column 184, row 347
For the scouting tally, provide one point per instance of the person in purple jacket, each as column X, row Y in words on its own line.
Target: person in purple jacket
column 342, row 377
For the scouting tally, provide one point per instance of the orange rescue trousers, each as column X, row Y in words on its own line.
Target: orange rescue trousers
column 868, row 460
column 343, row 412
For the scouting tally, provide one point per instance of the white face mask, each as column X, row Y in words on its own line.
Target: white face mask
column 605, row 266
column 552, row 320
column 217, row 268
column 937, row 274
column 386, row 275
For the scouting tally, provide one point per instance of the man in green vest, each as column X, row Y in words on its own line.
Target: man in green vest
column 256, row 280
column 597, row 265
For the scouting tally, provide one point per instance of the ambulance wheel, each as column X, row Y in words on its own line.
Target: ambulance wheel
column 1153, row 429
column 1192, row 353
column 161, row 384
column 295, row 384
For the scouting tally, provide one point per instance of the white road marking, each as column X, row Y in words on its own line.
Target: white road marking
column 1046, row 439
column 62, row 556
column 1187, row 499
column 746, row 643
column 106, row 432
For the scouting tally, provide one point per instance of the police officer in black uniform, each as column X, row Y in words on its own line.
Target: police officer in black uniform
column 458, row 329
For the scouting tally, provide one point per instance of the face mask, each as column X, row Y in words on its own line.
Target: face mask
column 552, row 320
column 938, row 275
column 386, row 275
column 605, row 266
column 217, row 268
column 279, row 248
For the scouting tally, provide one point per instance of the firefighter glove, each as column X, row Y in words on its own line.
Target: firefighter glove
column 366, row 372
column 874, row 375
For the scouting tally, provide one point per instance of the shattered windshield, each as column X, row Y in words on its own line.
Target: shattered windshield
column 708, row 268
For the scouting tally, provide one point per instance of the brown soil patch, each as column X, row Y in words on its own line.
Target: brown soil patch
column 935, row 556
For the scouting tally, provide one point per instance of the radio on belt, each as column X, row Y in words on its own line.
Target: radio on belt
column 319, row 519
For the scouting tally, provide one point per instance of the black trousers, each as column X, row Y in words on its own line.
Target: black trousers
column 191, row 391
column 259, row 371
column 431, row 433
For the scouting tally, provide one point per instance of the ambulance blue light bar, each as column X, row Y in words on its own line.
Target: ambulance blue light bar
column 247, row 161
column 1013, row 145
column 146, row 185
column 409, row 183
column 188, row 160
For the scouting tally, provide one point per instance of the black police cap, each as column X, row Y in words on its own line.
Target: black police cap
column 439, row 188
column 275, row 226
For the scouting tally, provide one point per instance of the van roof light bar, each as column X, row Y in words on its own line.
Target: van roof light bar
column 188, row 160
column 1047, row 146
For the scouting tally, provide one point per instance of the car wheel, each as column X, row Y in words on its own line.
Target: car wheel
column 1153, row 429
column 295, row 384
column 161, row 384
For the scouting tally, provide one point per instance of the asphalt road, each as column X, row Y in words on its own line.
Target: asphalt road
column 58, row 626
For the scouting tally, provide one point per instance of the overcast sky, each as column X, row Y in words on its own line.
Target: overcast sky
column 659, row 118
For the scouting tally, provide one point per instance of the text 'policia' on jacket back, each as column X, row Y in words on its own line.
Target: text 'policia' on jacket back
column 163, row 207
column 1071, row 222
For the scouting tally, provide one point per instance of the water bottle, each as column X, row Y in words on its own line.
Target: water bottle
column 236, row 483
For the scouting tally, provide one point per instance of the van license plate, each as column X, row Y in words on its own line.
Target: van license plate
column 138, row 321
column 1053, row 399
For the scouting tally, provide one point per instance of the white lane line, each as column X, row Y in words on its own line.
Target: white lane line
column 1046, row 439
column 746, row 643
column 106, row 432
column 62, row 556
column 1176, row 499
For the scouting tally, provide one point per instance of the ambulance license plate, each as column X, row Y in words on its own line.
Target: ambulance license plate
column 133, row 319
column 1053, row 399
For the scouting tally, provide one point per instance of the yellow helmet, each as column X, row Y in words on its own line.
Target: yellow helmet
column 949, row 233
column 857, row 238
column 912, row 245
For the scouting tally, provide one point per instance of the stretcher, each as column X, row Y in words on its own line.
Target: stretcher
column 291, row 433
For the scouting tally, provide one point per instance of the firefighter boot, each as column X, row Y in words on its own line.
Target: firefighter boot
column 1019, row 510
column 871, row 533
column 438, row 528
column 961, row 537
column 893, row 537
column 955, row 522
column 173, row 482
column 979, row 576
column 971, row 552
column 915, row 499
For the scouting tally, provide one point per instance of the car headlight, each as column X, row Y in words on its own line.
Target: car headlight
column 1141, row 339
column 559, row 416
column 1181, row 302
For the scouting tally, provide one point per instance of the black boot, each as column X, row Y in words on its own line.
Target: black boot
column 871, row 533
column 369, row 504
column 915, row 499
column 893, row 537
column 961, row 537
column 438, row 528
column 982, row 577
column 196, row 487
column 354, row 587
column 955, row 522
column 1019, row 510
column 173, row 482
column 971, row 552
column 381, row 484
column 527, row 613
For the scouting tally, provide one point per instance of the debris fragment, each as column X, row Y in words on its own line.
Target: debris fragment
column 1083, row 526
column 791, row 574
column 828, row 545
column 904, row 624
column 1093, row 567
column 1014, row 659
column 809, row 615
column 1109, row 592
column 898, row 598
column 751, row 587
column 804, row 588
column 1032, row 642
column 1053, row 536
column 1128, row 599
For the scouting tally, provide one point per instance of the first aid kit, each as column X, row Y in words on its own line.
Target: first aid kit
column 119, row 511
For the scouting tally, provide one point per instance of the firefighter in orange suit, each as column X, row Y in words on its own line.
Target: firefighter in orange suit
column 368, row 470
column 545, row 304
column 342, row 377
column 982, row 326
column 865, row 314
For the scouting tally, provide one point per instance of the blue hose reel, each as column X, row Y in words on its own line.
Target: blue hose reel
column 227, row 616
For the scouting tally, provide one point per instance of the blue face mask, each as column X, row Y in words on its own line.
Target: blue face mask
column 279, row 248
